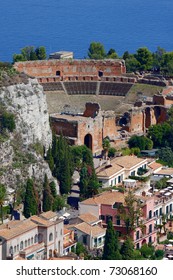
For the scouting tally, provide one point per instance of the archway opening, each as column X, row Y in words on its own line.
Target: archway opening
column 88, row 141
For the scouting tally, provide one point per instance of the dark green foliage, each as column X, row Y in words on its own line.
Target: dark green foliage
column 53, row 189
column 141, row 142
column 130, row 212
column 159, row 254
column 47, row 196
column 58, row 203
column 166, row 156
column 83, row 181
column 8, row 121
column 40, row 53
column 127, row 250
column 30, row 53
column 80, row 249
column 162, row 183
column 96, row 51
column 161, row 134
column 2, row 199
column 112, row 54
column 63, row 164
column 132, row 64
column 145, row 58
column 50, row 159
column 30, row 200
column 111, row 152
column 111, row 246
column 147, row 251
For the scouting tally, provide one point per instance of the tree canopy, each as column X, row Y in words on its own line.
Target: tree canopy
column 30, row 53
column 111, row 246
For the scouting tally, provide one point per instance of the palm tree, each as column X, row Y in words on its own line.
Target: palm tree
column 2, row 198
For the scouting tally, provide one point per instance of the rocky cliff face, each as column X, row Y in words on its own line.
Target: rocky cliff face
column 28, row 103
column 21, row 152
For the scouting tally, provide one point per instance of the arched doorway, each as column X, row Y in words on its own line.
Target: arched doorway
column 88, row 141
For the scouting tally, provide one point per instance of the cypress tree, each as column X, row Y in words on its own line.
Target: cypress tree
column 30, row 201
column 50, row 159
column 111, row 246
column 47, row 196
column 127, row 250
column 83, row 184
column 53, row 189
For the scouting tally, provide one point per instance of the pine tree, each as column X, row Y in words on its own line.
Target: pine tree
column 111, row 246
column 127, row 250
column 47, row 196
column 30, row 201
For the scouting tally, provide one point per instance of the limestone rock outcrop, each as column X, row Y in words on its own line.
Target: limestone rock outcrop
column 22, row 153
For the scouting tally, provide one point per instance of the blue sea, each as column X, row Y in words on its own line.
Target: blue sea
column 72, row 25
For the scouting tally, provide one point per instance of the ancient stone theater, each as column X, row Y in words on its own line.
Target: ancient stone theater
column 89, row 100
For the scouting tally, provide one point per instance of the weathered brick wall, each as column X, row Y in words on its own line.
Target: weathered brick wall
column 136, row 121
column 48, row 68
column 64, row 127
column 94, row 128
column 91, row 109
column 109, row 127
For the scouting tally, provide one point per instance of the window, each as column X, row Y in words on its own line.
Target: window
column 115, row 181
column 84, row 239
column 29, row 242
column 36, row 238
column 32, row 240
column 108, row 218
column 170, row 207
column 150, row 228
column 150, row 214
column 115, row 205
column 167, row 209
column 21, row 245
column 119, row 179
column 157, row 213
column 118, row 221
column 102, row 217
column 26, row 243
column 58, row 73
column 112, row 182
column 137, row 235
column 50, row 236
column 11, row 250
column 150, row 239
column 15, row 249
column 132, row 173
column 160, row 211
column 137, row 246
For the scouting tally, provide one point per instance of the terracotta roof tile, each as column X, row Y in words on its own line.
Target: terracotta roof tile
column 88, row 218
column 109, row 171
column 128, row 161
column 41, row 221
column 14, row 229
column 48, row 215
column 108, row 198
column 91, row 230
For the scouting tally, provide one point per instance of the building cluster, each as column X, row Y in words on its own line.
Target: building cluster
column 48, row 236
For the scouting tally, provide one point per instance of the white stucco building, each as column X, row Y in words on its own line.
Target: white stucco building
column 39, row 237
